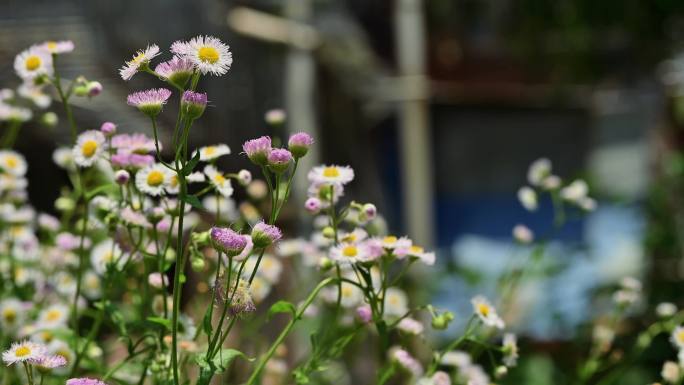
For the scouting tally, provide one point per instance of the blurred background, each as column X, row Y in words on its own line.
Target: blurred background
column 439, row 106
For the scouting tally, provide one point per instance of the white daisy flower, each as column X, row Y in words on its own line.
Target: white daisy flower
column 216, row 151
column 331, row 174
column 575, row 191
column 105, row 254
column 13, row 163
column 396, row 302
column 141, row 57
column 677, row 337
column 33, row 62
column 357, row 235
column 64, row 283
column 61, row 348
column 486, row 312
column 54, row 316
column 220, row 182
column 153, row 179
column 410, row 326
column 63, row 157
column 349, row 253
column 538, row 171
column 259, row 289
column 208, row 54
column 92, row 285
column 35, row 94
column 58, row 47
column 196, row 177
column 528, row 198
column 11, row 313
column 419, row 252
column 225, row 206
column 270, row 268
column 391, row 242
column 23, row 351
column 89, row 146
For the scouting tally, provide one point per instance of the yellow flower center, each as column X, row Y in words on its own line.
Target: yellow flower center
column 331, row 172
column 53, row 315
column 89, row 148
column 347, row 291
column 349, row 238
column 9, row 315
column 32, row 62
column 680, row 336
column 47, row 336
column 11, row 161
column 51, row 45
column 208, row 54
column 389, row 239
column 174, row 181
column 155, row 178
column 108, row 257
column 137, row 58
column 416, row 249
column 483, row 309
column 209, row 151
column 22, row 351
column 350, row 251
column 219, row 179
column 393, row 300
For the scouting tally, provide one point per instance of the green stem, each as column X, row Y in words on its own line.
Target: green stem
column 297, row 316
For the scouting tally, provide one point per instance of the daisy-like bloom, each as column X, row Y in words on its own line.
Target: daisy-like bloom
column 177, row 70
column 538, row 171
column 671, row 372
column 63, row 157
column 105, row 254
column 227, row 241
column 11, row 313
column 257, row 150
column 54, row 316
column 349, row 253
column 406, row 361
column 299, row 144
column 331, row 174
column 134, row 143
column 509, row 347
column 84, row 381
column 213, row 152
column 124, row 159
column 486, row 312
column 279, row 160
column 152, row 180
column 528, row 198
column 523, row 234
column 157, row 280
column 677, row 337
column 259, row 289
column 25, row 351
column 134, row 218
column 13, row 163
column 208, row 54
column 92, row 285
column 14, row 113
column 196, row 177
column 666, row 309
column 396, row 302
column 575, row 191
column 193, row 104
column 418, row 252
column 33, row 62
column 410, row 326
column 88, row 148
column 391, row 242
column 327, row 194
column 149, row 102
column 263, row 234
column 51, row 362
column 220, row 182
column 551, row 182
column 140, row 58
column 35, row 94
column 351, row 295
column 270, row 268
column 48, row 222
column 58, row 47
column 357, row 235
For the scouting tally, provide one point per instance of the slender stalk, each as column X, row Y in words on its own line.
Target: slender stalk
column 297, row 316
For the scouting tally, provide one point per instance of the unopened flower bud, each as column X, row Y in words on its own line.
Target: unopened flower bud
column 94, row 89
column 275, row 117
column 328, row 232
column 122, row 177
column 49, row 119
column 500, row 371
column 263, row 234
column 257, row 150
column 279, row 160
column 244, row 177
column 227, row 241
column 364, row 314
column 197, row 265
column 108, row 129
column 313, row 205
column 299, row 144
column 193, row 104
column 370, row 211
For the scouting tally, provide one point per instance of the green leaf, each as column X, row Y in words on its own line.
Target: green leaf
column 104, row 188
column 187, row 170
column 281, row 307
column 193, row 201
column 221, row 361
column 160, row 321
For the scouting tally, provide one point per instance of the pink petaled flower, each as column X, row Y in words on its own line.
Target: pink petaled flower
column 134, row 143
column 125, row 160
column 264, row 234
column 441, row 378
column 84, row 381
column 299, row 144
column 257, row 150
column 68, row 241
column 51, row 362
column 279, row 159
column 157, row 280
column 134, row 218
column 149, row 102
column 178, row 70
column 193, row 103
column 228, row 241
column 406, row 361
